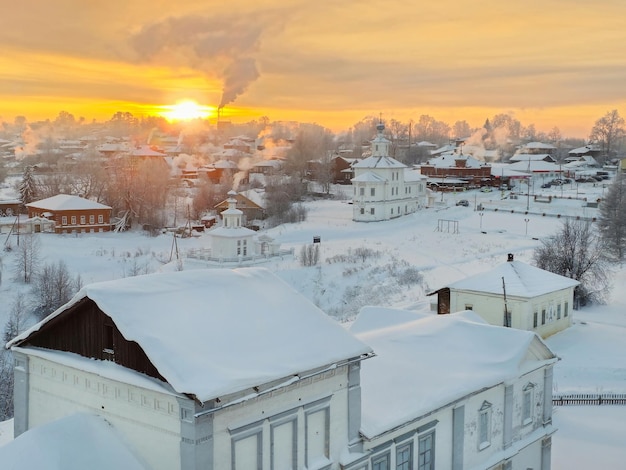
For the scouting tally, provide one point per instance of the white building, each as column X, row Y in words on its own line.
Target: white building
column 385, row 188
column 535, row 299
column 465, row 394
column 201, row 369
column 232, row 369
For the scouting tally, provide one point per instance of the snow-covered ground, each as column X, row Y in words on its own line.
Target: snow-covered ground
column 375, row 264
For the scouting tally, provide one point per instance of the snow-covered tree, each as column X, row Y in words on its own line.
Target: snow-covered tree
column 612, row 220
column 28, row 188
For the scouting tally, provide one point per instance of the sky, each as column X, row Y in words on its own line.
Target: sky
column 549, row 63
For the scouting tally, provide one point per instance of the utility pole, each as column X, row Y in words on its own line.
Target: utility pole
column 507, row 314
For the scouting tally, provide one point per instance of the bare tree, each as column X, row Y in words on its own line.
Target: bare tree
column 608, row 131
column 612, row 220
column 27, row 257
column 6, row 384
column 577, row 252
column 54, row 287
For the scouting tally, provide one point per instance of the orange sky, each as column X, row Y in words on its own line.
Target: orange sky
column 551, row 62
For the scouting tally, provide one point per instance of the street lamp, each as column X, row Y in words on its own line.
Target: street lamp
column 526, row 220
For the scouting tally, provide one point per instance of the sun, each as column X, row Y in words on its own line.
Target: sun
column 186, row 110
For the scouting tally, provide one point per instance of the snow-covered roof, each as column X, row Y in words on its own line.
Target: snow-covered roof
column 539, row 166
column 445, row 149
column 500, row 170
column 521, row 280
column 379, row 162
column 413, row 174
column 74, row 442
column 583, row 150
column 207, row 343
column 231, row 232
column 525, row 157
column 255, row 195
column 369, row 177
column 65, row 202
column 449, row 160
column 226, row 164
column 146, row 151
column 433, row 360
column 538, row 145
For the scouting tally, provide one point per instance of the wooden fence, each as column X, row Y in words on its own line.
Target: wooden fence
column 590, row 399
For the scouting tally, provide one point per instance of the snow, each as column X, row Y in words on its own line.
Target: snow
column 75, row 442
column 66, row 202
column 245, row 319
column 521, row 280
column 478, row 356
column 592, row 351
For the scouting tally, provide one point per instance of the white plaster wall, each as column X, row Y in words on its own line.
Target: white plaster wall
column 149, row 420
column 491, row 308
column 257, row 414
column 536, row 378
column 473, row 457
column 226, row 247
column 443, row 439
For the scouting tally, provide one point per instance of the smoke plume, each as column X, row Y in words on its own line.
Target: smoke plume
column 223, row 47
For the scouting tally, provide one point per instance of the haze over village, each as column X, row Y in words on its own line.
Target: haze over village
column 366, row 236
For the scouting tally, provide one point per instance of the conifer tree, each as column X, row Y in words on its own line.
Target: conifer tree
column 28, row 189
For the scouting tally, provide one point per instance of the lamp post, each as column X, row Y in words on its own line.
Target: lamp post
column 481, row 220
column 526, row 220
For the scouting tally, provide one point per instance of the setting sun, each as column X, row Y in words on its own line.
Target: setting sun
column 186, row 110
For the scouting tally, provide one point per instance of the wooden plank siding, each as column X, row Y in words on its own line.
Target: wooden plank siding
column 84, row 329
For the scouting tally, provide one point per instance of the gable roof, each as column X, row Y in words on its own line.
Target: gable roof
column 65, row 202
column 379, row 162
column 521, row 280
column 74, row 442
column 369, row 177
column 413, row 349
column 213, row 332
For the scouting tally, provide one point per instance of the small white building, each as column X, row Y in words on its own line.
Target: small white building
column 465, row 394
column 232, row 242
column 535, row 299
column 385, row 188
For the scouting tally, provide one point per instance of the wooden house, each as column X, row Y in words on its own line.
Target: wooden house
column 72, row 213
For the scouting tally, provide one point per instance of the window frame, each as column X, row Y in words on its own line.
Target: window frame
column 379, row 459
column 528, row 394
column 400, row 448
column 484, row 427
column 421, row 450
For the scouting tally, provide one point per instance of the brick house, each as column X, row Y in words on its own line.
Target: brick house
column 72, row 213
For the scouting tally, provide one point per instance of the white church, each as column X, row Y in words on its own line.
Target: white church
column 385, row 188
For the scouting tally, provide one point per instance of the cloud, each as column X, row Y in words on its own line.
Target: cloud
column 221, row 46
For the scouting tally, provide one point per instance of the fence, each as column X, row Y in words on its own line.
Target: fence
column 590, row 399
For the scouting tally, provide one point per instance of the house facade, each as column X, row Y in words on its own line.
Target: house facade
column 385, row 188
column 72, row 213
column 475, row 415
column 533, row 299
column 253, row 393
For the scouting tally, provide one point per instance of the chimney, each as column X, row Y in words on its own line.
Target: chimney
column 510, row 257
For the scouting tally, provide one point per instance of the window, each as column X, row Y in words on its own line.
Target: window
column 238, row 247
column 372, row 191
column 381, row 462
column 392, row 211
column 558, row 312
column 566, row 309
column 543, row 316
column 362, row 210
column 404, row 456
column 362, row 191
column 73, row 220
column 484, row 426
column 83, row 220
column 426, row 452
column 245, row 247
column 469, row 307
column 535, row 315
column 92, row 219
column 107, row 340
column 372, row 211
column 527, row 402
column 100, row 219
column 64, row 220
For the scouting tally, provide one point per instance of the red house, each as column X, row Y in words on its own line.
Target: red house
column 72, row 213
